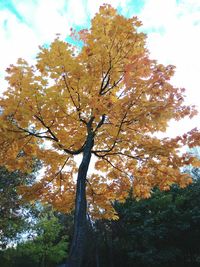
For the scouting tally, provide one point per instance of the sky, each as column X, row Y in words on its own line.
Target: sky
column 172, row 27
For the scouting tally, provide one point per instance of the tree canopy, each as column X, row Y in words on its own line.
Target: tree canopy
column 44, row 244
column 105, row 99
column 162, row 231
column 13, row 211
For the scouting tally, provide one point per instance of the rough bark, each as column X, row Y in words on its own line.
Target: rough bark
column 80, row 217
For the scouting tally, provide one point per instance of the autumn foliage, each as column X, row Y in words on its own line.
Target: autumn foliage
column 111, row 85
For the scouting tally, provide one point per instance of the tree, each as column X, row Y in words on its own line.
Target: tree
column 106, row 99
column 194, row 171
column 10, row 218
column 46, row 247
column 161, row 231
column 13, row 212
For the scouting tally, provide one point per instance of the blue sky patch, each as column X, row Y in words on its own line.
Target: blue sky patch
column 134, row 8
column 72, row 40
column 6, row 4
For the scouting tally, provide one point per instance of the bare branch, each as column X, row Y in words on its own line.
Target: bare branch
column 111, row 87
column 59, row 172
column 115, row 141
column 68, row 89
column 40, row 135
column 36, row 134
column 47, row 127
column 120, row 170
column 74, row 152
column 106, row 78
column 117, row 154
column 100, row 123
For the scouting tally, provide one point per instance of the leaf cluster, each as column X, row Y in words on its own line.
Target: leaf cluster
column 110, row 86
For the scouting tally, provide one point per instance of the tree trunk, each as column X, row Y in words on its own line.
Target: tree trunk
column 80, row 220
column 97, row 256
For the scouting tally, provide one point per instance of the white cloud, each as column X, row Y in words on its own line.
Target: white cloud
column 77, row 12
column 178, row 40
column 173, row 38
column 13, row 43
column 93, row 6
column 40, row 22
column 45, row 17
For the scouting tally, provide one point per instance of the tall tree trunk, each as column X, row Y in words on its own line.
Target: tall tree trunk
column 80, row 219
